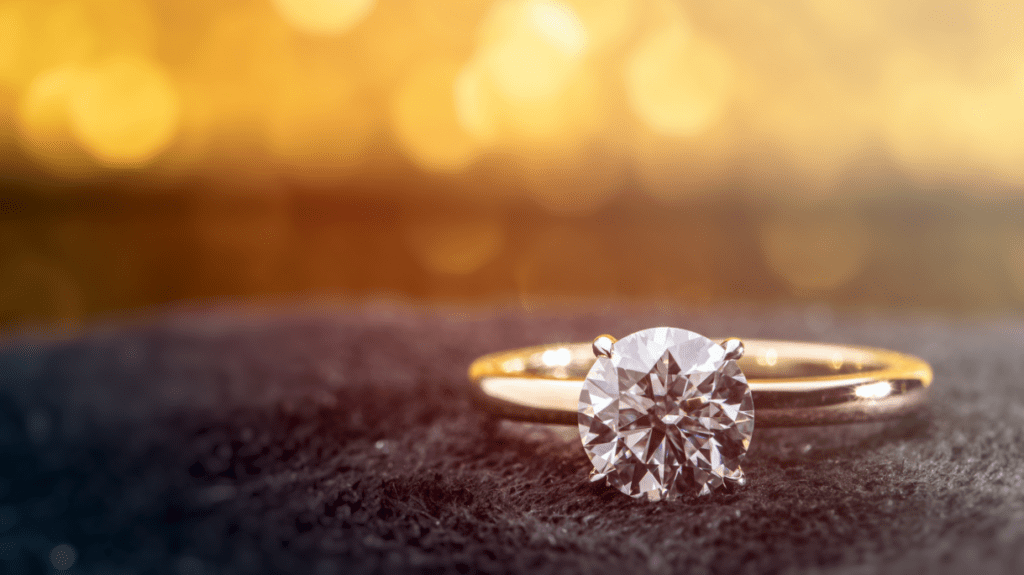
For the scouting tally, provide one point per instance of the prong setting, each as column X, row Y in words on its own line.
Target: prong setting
column 652, row 373
column 736, row 480
column 733, row 348
column 602, row 345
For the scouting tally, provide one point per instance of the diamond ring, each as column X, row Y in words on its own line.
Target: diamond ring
column 666, row 412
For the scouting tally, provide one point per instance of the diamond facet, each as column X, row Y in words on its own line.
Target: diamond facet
column 667, row 414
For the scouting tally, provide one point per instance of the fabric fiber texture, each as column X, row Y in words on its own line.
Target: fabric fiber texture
column 344, row 441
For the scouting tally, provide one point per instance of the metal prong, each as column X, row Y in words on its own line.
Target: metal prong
column 733, row 348
column 602, row 345
column 595, row 476
column 736, row 479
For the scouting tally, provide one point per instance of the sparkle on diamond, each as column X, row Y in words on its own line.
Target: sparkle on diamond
column 666, row 415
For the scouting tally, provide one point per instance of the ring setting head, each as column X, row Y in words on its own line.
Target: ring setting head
column 602, row 345
column 666, row 412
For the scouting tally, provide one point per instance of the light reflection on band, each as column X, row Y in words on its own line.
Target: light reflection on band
column 874, row 390
column 560, row 357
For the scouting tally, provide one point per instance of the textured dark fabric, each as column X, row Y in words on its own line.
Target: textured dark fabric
column 345, row 442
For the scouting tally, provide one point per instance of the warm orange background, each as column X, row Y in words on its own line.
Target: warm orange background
column 866, row 154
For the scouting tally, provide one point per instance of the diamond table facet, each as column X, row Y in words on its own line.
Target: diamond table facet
column 666, row 415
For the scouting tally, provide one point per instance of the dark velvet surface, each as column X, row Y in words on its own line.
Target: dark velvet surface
column 344, row 441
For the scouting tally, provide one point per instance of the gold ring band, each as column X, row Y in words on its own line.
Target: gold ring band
column 792, row 383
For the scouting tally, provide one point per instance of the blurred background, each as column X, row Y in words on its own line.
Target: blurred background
column 865, row 155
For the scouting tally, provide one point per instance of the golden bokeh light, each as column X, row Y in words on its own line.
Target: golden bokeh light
column 942, row 124
column 42, row 117
column 529, row 84
column 324, row 16
column 531, row 49
column 726, row 140
column 126, row 111
column 248, row 70
column 608, row 23
column 42, row 112
column 678, row 83
column 13, row 41
column 854, row 20
column 124, row 26
column 555, row 128
column 548, row 115
column 475, row 104
column 690, row 94
column 820, row 127
column 559, row 25
column 924, row 112
column 424, row 117
column 66, row 33
column 319, row 124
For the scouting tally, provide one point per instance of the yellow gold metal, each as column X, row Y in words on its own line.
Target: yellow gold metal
column 733, row 348
column 792, row 383
column 602, row 346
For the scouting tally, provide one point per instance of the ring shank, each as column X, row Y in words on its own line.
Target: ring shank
column 792, row 383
